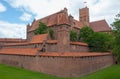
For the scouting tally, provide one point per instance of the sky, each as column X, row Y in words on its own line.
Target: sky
column 16, row 14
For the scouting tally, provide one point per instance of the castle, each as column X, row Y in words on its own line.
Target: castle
column 58, row 56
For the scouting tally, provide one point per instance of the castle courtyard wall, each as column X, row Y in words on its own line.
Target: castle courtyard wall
column 59, row 66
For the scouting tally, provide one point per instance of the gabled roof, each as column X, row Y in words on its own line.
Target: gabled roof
column 100, row 26
column 39, row 38
column 60, row 17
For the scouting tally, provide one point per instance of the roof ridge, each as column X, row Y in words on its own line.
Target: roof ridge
column 98, row 20
column 50, row 15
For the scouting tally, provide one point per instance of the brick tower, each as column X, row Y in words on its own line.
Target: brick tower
column 84, row 16
column 63, row 34
column 63, row 38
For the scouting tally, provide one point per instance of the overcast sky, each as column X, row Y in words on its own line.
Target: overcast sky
column 16, row 14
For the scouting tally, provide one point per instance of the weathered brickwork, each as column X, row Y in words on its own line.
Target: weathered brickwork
column 59, row 66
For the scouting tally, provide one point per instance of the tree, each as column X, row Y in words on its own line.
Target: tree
column 42, row 29
column 97, row 42
column 73, row 35
column 116, row 33
column 85, row 34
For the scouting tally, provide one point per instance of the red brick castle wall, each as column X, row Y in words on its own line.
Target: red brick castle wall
column 59, row 66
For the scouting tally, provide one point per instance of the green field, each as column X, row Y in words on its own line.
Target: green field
column 7, row 72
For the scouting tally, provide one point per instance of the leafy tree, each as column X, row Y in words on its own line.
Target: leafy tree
column 85, row 34
column 73, row 35
column 116, row 33
column 42, row 29
column 51, row 32
column 98, row 42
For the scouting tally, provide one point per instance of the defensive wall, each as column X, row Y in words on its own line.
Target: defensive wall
column 59, row 65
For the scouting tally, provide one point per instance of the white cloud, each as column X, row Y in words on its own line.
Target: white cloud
column 99, row 9
column 2, row 8
column 40, row 8
column 104, row 9
column 26, row 17
column 12, row 30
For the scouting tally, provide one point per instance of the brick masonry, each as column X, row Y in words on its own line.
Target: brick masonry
column 59, row 66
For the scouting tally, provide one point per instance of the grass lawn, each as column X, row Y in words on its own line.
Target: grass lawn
column 8, row 72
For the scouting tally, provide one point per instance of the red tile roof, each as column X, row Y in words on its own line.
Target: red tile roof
column 74, row 54
column 79, row 43
column 100, row 26
column 11, row 40
column 60, row 17
column 36, row 39
column 33, row 51
column 39, row 38
column 18, row 51
column 16, row 44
